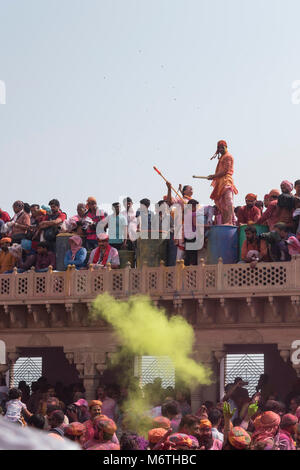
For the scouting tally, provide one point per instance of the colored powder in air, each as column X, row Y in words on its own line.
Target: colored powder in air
column 144, row 330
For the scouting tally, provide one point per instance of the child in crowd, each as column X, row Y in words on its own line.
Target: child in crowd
column 15, row 407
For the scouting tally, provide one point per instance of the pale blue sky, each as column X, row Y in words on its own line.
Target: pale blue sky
column 99, row 91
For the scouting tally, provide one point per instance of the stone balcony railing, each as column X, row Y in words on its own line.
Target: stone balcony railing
column 221, row 280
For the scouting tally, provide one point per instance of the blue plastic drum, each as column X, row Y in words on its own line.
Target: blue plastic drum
column 222, row 243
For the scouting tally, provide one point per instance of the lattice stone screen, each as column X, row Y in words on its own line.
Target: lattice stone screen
column 151, row 367
column 28, row 369
column 247, row 366
column 241, row 276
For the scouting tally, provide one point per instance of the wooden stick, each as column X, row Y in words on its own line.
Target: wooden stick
column 201, row 177
column 157, row 171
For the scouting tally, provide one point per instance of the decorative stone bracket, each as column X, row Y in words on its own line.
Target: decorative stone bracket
column 295, row 304
column 202, row 311
column 224, row 307
column 177, row 303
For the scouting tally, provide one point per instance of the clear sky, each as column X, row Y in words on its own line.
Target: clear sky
column 99, row 91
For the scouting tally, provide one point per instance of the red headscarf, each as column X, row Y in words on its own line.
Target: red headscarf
column 221, row 142
column 266, row 426
column 251, row 197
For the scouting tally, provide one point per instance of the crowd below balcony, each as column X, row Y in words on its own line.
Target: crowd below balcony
column 162, row 421
column 29, row 237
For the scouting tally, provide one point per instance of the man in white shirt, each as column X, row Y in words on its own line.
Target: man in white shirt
column 117, row 227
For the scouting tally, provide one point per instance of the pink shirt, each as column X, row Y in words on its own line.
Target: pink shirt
column 108, row 407
column 217, row 445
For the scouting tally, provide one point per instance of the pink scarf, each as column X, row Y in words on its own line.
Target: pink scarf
column 76, row 245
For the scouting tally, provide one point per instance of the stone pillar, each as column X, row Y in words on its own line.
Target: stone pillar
column 12, row 358
column 3, row 369
column 90, row 364
column 205, row 392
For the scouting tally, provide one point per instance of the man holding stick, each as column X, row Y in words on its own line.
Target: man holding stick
column 223, row 184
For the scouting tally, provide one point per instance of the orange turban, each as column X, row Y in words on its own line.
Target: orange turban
column 274, row 192
column 251, row 197
column 95, row 403
column 6, row 240
column 91, row 199
column 205, row 423
column 155, row 435
column 162, row 422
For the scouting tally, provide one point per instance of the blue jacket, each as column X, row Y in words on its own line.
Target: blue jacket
column 79, row 258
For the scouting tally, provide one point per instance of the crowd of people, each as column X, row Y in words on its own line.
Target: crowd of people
column 28, row 238
column 238, row 422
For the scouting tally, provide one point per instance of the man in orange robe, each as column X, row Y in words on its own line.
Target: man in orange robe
column 223, row 184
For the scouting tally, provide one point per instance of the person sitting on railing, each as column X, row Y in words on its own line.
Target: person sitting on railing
column 7, row 259
column 270, row 216
column 79, row 223
column 253, row 249
column 17, row 228
column 51, row 225
column 286, row 204
column 260, row 206
column 277, row 242
column 96, row 215
column 38, row 215
column 27, row 258
column 77, row 254
column 266, row 201
column 104, row 254
column 249, row 214
column 44, row 258
column 297, row 188
column 294, row 244
column 296, row 214
column 4, row 218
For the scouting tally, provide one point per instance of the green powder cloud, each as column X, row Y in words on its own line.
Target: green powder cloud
column 144, row 330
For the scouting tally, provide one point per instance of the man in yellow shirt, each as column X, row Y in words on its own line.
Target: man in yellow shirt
column 7, row 260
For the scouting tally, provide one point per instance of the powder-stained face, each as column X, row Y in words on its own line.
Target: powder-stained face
column 95, row 411
column 103, row 244
column 54, row 208
column 285, row 188
column 92, row 205
column 81, row 210
column 188, row 191
column 17, row 208
column 221, row 149
column 250, row 203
